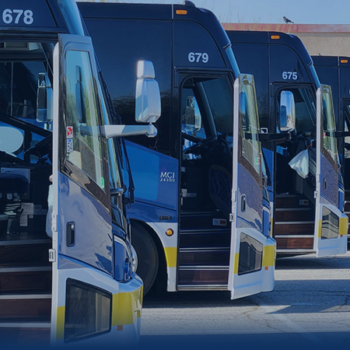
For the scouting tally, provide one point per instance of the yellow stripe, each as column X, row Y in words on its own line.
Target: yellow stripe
column 60, row 322
column 319, row 228
column 343, row 226
column 236, row 263
column 271, row 231
column 269, row 255
column 171, row 256
column 126, row 306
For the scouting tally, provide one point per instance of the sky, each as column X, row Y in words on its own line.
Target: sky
column 271, row 11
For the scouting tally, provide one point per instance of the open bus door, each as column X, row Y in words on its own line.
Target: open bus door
column 252, row 255
column 81, row 222
column 331, row 225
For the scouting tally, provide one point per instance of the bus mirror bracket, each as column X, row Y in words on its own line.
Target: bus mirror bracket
column 111, row 131
column 287, row 112
column 44, row 99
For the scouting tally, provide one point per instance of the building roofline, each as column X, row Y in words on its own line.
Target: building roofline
column 289, row 28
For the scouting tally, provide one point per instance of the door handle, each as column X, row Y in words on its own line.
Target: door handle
column 70, row 239
column 324, row 184
column 243, row 203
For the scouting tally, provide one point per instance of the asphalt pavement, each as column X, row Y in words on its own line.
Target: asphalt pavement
column 309, row 308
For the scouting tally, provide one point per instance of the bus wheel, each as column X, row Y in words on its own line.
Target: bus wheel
column 147, row 254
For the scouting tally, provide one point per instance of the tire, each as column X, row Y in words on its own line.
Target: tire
column 147, row 254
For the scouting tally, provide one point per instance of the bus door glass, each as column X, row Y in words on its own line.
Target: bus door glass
column 252, row 255
column 81, row 221
column 332, row 225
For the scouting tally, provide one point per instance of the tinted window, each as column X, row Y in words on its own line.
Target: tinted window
column 220, row 99
column 18, row 88
column 118, row 56
column 253, row 59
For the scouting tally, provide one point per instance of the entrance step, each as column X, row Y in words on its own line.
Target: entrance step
column 294, row 242
column 294, row 214
column 203, row 220
column 294, row 228
column 203, row 276
column 211, row 238
column 26, row 280
column 24, row 253
column 17, row 333
column 25, row 308
column 204, row 256
column 291, row 201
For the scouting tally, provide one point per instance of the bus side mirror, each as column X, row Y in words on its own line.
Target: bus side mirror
column 287, row 112
column 148, row 107
column 147, row 110
column 44, row 99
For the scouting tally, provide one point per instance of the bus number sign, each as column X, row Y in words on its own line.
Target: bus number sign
column 290, row 75
column 17, row 16
column 198, row 57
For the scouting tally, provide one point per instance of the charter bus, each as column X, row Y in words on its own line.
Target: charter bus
column 307, row 211
column 200, row 220
column 335, row 71
column 66, row 261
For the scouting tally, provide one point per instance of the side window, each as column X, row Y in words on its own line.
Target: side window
column 305, row 111
column 85, row 147
column 220, row 99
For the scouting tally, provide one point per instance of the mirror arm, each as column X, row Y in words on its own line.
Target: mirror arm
column 111, row 131
column 274, row 137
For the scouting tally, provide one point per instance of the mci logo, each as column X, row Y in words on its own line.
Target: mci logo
column 167, row 177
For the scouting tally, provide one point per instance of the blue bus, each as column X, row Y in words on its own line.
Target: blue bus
column 201, row 217
column 67, row 267
column 307, row 208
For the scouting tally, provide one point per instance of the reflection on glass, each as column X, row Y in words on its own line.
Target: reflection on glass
column 249, row 118
column 329, row 128
column 250, row 255
column 330, row 224
column 84, row 144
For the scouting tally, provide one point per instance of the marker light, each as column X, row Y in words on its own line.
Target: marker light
column 275, row 37
column 344, row 61
column 181, row 12
column 169, row 232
